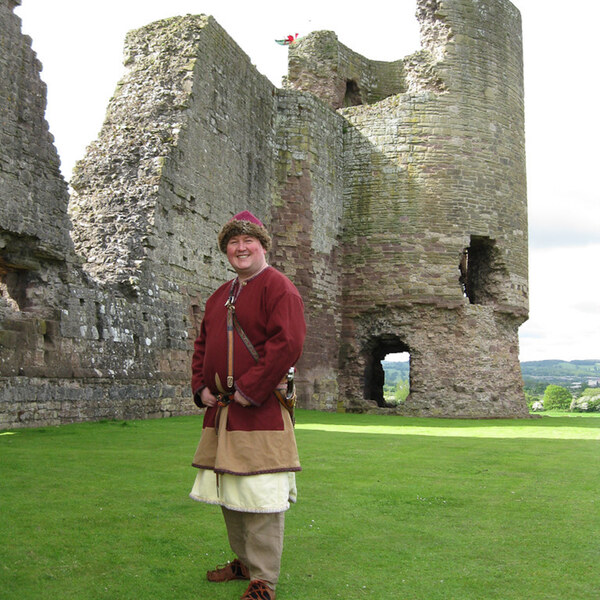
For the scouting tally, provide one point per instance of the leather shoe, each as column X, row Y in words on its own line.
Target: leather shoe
column 235, row 569
column 258, row 590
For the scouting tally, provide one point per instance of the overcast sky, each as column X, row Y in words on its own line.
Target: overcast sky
column 80, row 44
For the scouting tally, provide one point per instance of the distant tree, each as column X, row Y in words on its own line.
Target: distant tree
column 557, row 397
column 402, row 390
column 535, row 388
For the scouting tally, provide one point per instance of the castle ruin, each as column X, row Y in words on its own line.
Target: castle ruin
column 395, row 192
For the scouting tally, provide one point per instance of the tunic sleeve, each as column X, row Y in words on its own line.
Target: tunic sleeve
column 285, row 330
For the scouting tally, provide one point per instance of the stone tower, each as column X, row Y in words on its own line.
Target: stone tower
column 395, row 193
column 434, row 224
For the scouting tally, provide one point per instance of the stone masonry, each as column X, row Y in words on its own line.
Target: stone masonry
column 396, row 195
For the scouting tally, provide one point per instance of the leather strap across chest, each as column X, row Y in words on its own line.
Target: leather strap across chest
column 288, row 400
column 233, row 324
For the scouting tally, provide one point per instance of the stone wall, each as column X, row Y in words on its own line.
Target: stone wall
column 401, row 218
column 307, row 227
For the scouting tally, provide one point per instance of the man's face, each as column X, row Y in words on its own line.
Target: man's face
column 246, row 255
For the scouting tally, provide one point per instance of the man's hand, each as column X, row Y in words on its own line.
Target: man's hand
column 208, row 399
column 240, row 399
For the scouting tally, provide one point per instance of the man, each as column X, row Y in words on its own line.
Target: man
column 251, row 335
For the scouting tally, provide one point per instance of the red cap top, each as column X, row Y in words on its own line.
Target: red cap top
column 246, row 215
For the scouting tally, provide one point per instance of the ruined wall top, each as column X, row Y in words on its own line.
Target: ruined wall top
column 321, row 64
column 174, row 128
column 117, row 184
column 33, row 209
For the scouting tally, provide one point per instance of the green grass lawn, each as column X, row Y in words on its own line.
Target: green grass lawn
column 389, row 507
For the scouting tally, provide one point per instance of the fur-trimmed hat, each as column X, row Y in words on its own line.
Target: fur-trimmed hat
column 244, row 223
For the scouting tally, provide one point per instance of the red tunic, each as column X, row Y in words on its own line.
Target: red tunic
column 269, row 309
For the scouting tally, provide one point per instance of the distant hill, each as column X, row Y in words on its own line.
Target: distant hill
column 558, row 372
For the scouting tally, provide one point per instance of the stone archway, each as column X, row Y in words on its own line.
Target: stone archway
column 374, row 375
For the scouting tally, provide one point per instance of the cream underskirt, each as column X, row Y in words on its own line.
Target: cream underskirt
column 266, row 493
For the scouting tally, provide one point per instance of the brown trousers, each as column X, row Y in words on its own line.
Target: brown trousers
column 257, row 540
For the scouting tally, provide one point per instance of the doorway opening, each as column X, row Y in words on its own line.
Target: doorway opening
column 387, row 372
column 396, row 387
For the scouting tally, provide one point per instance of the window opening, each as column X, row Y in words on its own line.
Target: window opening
column 352, row 96
column 13, row 288
column 477, row 268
